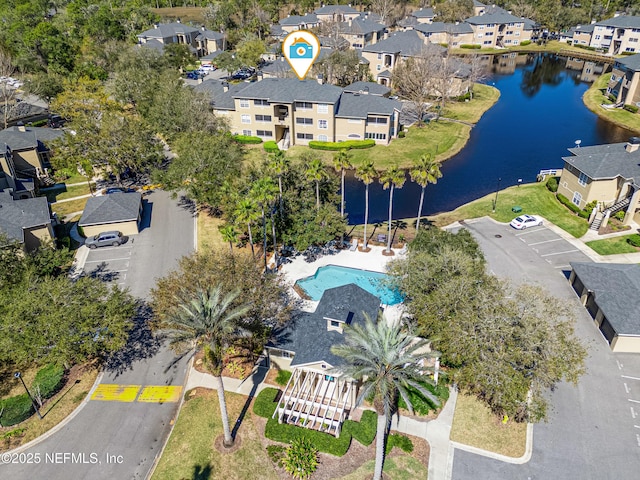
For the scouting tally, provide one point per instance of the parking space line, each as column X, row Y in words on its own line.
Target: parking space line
column 563, row 266
column 633, row 413
column 108, row 260
column 619, row 364
column 626, row 387
column 637, row 426
column 528, row 232
column 632, row 378
column 632, row 400
column 559, row 253
column 547, row 241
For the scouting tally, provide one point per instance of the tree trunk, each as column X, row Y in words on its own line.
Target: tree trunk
column 231, row 247
column 280, row 188
column 228, row 439
column 317, row 195
column 264, row 239
column 390, row 215
column 253, row 253
column 381, row 432
column 366, row 215
column 420, row 210
column 342, row 196
column 273, row 232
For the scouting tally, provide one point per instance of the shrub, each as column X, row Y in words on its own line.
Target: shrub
column 401, row 134
column 422, row 405
column 567, row 203
column 619, row 215
column 301, row 459
column 348, row 145
column 324, row 442
column 49, row 380
column 276, row 453
column 403, row 443
column 39, row 123
column 634, row 240
column 270, row 146
column 15, row 409
column 612, row 98
column 283, row 377
column 631, row 108
column 363, row 431
column 552, row 184
column 13, row 433
column 524, row 43
column 464, row 98
column 247, row 139
column 472, row 47
column 265, row 403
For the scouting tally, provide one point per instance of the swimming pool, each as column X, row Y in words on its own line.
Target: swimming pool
column 333, row 276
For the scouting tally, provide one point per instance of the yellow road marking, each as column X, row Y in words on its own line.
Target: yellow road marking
column 160, row 394
column 116, row 393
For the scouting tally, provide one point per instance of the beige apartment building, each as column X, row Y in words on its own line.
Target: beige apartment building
column 452, row 34
column 500, row 29
column 625, row 79
column 617, row 35
column 294, row 112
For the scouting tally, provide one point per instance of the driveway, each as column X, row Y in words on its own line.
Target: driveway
column 121, row 429
column 593, row 431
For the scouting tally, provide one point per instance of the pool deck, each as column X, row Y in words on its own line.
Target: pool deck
column 374, row 261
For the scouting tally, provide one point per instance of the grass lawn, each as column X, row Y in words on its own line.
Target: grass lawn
column 404, row 467
column 190, row 451
column 185, row 14
column 534, row 198
column 209, row 237
column 484, row 97
column 64, row 192
column 595, row 96
column 65, row 208
column 612, row 246
column 475, row 425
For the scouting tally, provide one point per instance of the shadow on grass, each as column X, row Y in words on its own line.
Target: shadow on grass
column 256, row 378
column 201, row 473
column 59, row 398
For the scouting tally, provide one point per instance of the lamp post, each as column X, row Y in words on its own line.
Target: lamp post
column 33, row 402
column 495, row 200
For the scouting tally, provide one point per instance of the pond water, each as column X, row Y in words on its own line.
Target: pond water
column 539, row 116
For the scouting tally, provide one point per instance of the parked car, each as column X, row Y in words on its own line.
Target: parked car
column 524, row 221
column 105, row 239
column 55, row 121
column 115, row 190
column 195, row 75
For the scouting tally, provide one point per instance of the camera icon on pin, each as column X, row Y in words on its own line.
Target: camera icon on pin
column 301, row 49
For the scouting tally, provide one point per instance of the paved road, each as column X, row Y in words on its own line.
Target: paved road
column 593, row 430
column 128, row 433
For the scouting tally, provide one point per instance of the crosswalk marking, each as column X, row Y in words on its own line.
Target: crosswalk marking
column 137, row 393
column 116, row 393
column 161, row 394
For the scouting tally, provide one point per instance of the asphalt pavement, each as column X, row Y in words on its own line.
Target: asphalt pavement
column 593, row 429
column 124, row 422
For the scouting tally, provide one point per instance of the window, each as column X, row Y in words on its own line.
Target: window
column 576, row 198
column 335, row 323
column 261, row 103
column 357, row 45
column 480, row 27
column 246, row 132
column 487, row 42
column 597, row 37
column 328, row 378
column 353, row 135
column 263, row 118
column 376, row 136
column 322, row 138
column 244, row 103
column 304, row 105
column 354, row 120
column 304, row 136
column 479, row 35
column 322, row 124
column 633, row 40
column 629, row 49
column 304, row 121
column 582, row 180
column 517, row 34
column 264, row 133
column 379, row 56
column 378, row 120
column 378, row 68
column 323, row 108
column 613, row 77
column 245, row 118
column 488, row 34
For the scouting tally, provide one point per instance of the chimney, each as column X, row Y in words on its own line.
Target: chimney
column 259, row 76
column 320, row 79
column 350, row 22
column 177, row 20
column 365, row 90
column 21, row 127
column 155, row 25
column 225, row 86
column 199, row 81
column 632, row 145
column 202, row 28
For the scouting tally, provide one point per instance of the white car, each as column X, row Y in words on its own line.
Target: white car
column 524, row 221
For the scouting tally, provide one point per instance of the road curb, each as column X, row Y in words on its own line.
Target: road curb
column 64, row 421
column 497, row 456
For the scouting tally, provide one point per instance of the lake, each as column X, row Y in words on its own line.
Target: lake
column 539, row 116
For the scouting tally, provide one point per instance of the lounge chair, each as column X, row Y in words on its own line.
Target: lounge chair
column 354, row 245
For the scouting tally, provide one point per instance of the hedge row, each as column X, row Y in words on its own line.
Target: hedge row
column 270, row 146
column 634, row 240
column 631, row 108
column 49, row 379
column 470, row 46
column 247, row 139
column 571, row 206
column 348, row 145
column 552, row 184
column 524, row 43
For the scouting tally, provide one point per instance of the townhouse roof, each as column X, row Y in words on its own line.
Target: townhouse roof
column 609, row 161
column 209, row 35
column 440, row 27
column 17, row 139
column 615, row 288
column 374, row 17
column 307, row 335
column 278, row 67
column 476, row 3
column 632, row 62
column 218, row 98
column 405, row 43
column 331, row 9
column 289, row 90
column 334, row 42
column 423, row 13
column 212, row 55
column 385, row 74
column 276, row 31
column 165, row 30
column 408, row 21
column 360, row 26
column 371, row 87
column 621, row 21
column 583, row 28
column 293, row 20
column 498, row 16
column 17, row 215
column 112, row 208
column 356, row 105
column 153, row 44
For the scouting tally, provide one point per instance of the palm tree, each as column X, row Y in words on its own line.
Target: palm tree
column 246, row 213
column 392, row 179
column 386, row 360
column 264, row 192
column 366, row 173
column 425, row 171
column 208, row 318
column 279, row 163
column 315, row 172
column 342, row 163
column 229, row 234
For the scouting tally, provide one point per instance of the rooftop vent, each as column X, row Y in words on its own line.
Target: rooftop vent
column 633, row 144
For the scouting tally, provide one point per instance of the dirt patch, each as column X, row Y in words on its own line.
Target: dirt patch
column 238, row 363
column 270, row 379
column 218, row 443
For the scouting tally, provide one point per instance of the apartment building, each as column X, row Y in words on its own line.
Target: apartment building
column 617, row 35
column 336, row 13
column 421, row 16
column 498, row 28
column 361, row 31
column 298, row 22
column 294, row 112
column 200, row 41
column 579, row 35
column 625, row 80
column 453, row 34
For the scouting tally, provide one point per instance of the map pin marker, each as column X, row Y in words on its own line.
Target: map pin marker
column 301, row 48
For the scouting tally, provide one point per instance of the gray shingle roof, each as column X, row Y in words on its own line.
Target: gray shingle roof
column 632, row 63
column 16, row 215
column 360, row 26
column 621, row 21
column 279, row 67
column 583, row 28
column 294, row 20
column 606, row 161
column 499, row 16
column 166, row 30
column 331, row 9
column 439, row 27
column 209, row 35
column 307, row 335
column 372, row 87
column 385, row 74
column 354, row 105
column 616, row 288
column 334, row 42
column 289, row 90
column 218, row 98
column 18, row 140
column 406, row 43
column 112, row 208
column 423, row 13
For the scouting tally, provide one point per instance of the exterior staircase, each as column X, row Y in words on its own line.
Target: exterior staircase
column 607, row 212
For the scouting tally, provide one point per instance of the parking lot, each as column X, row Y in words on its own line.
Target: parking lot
column 110, row 264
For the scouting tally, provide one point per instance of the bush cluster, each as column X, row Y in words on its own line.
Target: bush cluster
column 401, row 134
column 586, row 47
column 247, row 139
column 283, row 377
column 347, row 145
column 422, row 405
column 634, row 240
column 571, row 206
column 270, row 146
column 396, row 440
column 49, row 380
column 15, row 409
column 471, row 46
column 524, row 43
column 552, row 184
column 631, row 108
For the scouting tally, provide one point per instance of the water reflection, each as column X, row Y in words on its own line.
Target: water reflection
column 539, row 116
